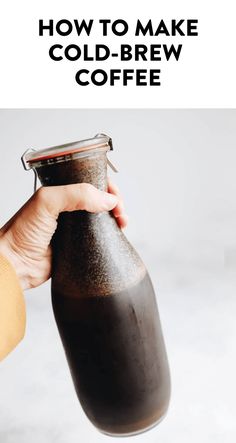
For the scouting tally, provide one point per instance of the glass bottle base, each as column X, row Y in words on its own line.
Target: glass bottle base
column 133, row 433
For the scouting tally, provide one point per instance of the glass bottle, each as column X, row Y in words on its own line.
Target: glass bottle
column 104, row 302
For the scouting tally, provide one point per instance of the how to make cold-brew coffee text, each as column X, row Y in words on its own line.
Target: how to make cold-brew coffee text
column 139, row 54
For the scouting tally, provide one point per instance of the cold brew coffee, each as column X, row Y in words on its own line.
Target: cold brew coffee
column 104, row 302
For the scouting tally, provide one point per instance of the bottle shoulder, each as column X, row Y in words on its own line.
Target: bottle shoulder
column 94, row 254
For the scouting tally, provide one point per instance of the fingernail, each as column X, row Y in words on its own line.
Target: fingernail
column 110, row 200
column 125, row 219
column 122, row 206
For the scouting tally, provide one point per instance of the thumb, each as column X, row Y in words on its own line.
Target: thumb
column 35, row 223
column 83, row 196
column 52, row 200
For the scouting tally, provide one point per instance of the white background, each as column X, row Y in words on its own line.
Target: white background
column 177, row 175
column 204, row 76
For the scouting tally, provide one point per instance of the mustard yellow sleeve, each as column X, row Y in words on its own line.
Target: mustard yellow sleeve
column 12, row 309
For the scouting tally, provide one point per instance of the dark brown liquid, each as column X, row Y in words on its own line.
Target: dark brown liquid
column 117, row 357
column 106, row 311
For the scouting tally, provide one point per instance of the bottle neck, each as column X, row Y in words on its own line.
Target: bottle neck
column 90, row 169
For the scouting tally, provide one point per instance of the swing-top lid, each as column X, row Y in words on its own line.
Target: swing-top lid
column 66, row 151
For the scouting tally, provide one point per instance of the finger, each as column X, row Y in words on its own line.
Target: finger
column 122, row 221
column 82, row 196
column 119, row 209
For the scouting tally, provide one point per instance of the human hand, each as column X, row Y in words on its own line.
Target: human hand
column 25, row 239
